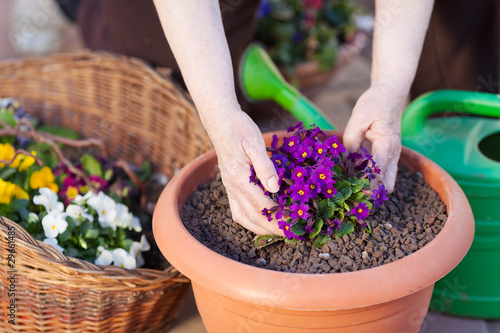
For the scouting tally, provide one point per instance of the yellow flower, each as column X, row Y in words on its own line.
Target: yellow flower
column 27, row 161
column 9, row 190
column 43, row 178
column 6, row 153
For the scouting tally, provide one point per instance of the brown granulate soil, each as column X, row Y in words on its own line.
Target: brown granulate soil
column 411, row 218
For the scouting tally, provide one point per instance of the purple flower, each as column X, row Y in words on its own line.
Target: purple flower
column 302, row 153
column 253, row 177
column 379, row 195
column 334, row 146
column 279, row 160
column 367, row 156
column 315, row 189
column 361, row 211
column 320, row 150
column 300, row 192
column 274, row 143
column 333, row 226
column 353, row 157
column 267, row 213
column 98, row 183
column 291, row 144
column 297, row 37
column 264, row 9
column 299, row 173
column 322, row 175
column 286, row 229
column 299, row 127
column 329, row 191
column 299, row 211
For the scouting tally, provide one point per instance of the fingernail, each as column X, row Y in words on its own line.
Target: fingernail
column 272, row 184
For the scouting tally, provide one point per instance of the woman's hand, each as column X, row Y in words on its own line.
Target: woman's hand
column 239, row 145
column 377, row 118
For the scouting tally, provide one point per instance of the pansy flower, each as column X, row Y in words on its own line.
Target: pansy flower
column 320, row 150
column 279, row 160
column 361, row 211
column 268, row 214
column 302, row 153
column 333, row 226
column 322, row 175
column 379, row 196
column 299, row 211
column 334, row 146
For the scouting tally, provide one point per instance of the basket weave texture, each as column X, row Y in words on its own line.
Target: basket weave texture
column 139, row 116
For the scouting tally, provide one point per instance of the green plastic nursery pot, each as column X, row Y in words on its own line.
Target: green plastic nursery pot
column 469, row 149
column 235, row 297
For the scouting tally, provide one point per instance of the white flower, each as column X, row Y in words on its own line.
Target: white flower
column 54, row 224
column 48, row 199
column 137, row 248
column 53, row 242
column 78, row 213
column 33, row 218
column 136, row 224
column 123, row 259
column 80, row 200
column 106, row 209
column 105, row 257
column 123, row 217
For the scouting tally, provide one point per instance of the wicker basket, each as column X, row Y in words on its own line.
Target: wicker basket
column 139, row 116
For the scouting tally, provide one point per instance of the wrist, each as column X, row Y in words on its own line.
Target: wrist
column 392, row 88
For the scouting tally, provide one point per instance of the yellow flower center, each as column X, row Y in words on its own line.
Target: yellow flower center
column 278, row 161
column 329, row 191
column 301, row 192
column 269, row 212
column 53, row 227
column 287, row 227
column 299, row 174
column 312, row 187
column 360, row 211
column 103, row 212
column 320, row 151
column 334, row 145
column 300, row 212
column 291, row 143
column 304, row 154
column 322, row 176
column 72, row 192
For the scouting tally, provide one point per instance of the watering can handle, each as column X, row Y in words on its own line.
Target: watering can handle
column 469, row 102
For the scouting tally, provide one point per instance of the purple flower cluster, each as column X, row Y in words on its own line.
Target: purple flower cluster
column 320, row 191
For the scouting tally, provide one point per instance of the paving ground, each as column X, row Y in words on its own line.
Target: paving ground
column 337, row 101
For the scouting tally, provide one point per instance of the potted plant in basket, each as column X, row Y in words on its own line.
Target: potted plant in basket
column 309, row 39
column 356, row 261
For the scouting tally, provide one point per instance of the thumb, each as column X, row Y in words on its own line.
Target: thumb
column 264, row 168
column 354, row 135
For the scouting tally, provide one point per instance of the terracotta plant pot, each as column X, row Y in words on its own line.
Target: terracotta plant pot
column 234, row 297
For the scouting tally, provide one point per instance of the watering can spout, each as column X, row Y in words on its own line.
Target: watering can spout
column 261, row 80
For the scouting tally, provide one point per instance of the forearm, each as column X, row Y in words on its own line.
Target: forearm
column 196, row 36
column 400, row 28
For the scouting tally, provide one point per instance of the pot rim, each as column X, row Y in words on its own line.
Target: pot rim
column 307, row 291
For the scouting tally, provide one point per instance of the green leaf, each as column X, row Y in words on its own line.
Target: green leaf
column 59, row 131
column 338, row 170
column 20, row 203
column 7, row 172
column 85, row 227
column 356, row 184
column 23, row 213
column 63, row 238
column 369, row 228
column 346, row 192
column 368, row 203
column 145, row 171
column 83, row 243
column 326, row 208
column 338, row 199
column 91, row 165
column 321, row 241
column 266, row 240
column 346, row 229
column 297, row 229
column 70, row 251
column 92, row 233
column 317, row 228
column 358, row 197
column 291, row 241
column 8, row 117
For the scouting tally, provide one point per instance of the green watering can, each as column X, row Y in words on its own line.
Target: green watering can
column 468, row 148
column 261, row 80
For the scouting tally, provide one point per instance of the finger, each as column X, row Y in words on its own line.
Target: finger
column 239, row 215
column 354, row 135
column 264, row 167
column 391, row 172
